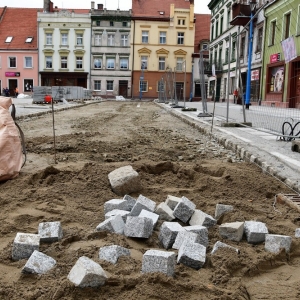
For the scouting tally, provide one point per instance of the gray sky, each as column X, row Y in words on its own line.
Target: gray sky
column 200, row 5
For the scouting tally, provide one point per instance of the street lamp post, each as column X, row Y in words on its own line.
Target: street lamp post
column 141, row 80
column 248, row 86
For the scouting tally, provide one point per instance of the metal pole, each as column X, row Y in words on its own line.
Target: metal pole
column 248, row 86
column 141, row 81
column 228, row 77
column 237, row 67
column 184, row 82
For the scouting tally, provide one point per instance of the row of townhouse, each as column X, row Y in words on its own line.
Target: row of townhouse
column 111, row 52
column 274, row 61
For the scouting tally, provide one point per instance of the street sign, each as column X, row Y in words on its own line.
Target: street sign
column 12, row 74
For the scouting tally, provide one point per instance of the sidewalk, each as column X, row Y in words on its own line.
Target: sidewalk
column 260, row 147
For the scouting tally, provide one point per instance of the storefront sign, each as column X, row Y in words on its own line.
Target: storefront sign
column 254, row 75
column 274, row 58
column 12, row 74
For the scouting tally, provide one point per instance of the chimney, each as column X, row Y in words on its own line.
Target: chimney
column 46, row 5
column 93, row 5
column 100, row 6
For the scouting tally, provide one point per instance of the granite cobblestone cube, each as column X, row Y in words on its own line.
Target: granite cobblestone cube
column 184, row 210
column 255, row 231
column 275, row 242
column 168, row 232
column 147, row 214
column 232, row 231
column 201, row 218
column 185, row 235
column 112, row 253
column 221, row 209
column 139, row 227
column 115, row 204
column 202, row 232
column 50, row 232
column 297, row 233
column 159, row 261
column 113, row 224
column 87, row 273
column 24, row 245
column 192, row 254
column 38, row 263
column 219, row 245
column 130, row 201
column 164, row 212
column 141, row 203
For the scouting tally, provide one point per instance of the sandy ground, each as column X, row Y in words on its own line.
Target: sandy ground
column 171, row 159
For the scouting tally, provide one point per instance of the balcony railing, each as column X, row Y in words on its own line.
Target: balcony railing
column 208, row 66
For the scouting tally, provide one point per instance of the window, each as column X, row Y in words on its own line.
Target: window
column 97, row 63
column 111, row 23
column 97, row 39
column 28, row 84
column 12, row 62
column 233, row 50
column 160, row 86
column 64, row 39
column 98, row 23
column 181, row 22
column 162, row 37
column 212, row 32
column 109, row 85
column 180, row 38
column 220, row 53
column 226, row 55
column 259, row 39
column 205, row 46
column 124, row 63
column 124, row 40
column 29, row 39
column 124, row 24
column 242, row 50
column 228, row 18
column 48, row 62
column 8, row 39
column 287, row 23
column 79, row 64
column 143, row 86
column 48, row 38
column 161, row 63
column 221, row 25
column 276, row 79
column 97, row 85
column 64, row 62
column 111, row 40
column 217, row 28
column 110, row 63
column 28, row 62
column 272, row 33
column 145, row 37
column 79, row 39
column 144, row 62
column 179, row 64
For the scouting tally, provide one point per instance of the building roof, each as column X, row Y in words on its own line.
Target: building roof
column 202, row 29
column 153, row 8
column 18, row 25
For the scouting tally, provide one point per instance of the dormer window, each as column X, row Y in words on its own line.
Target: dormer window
column 29, row 39
column 8, row 39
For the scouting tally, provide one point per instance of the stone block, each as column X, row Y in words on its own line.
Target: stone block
column 112, row 253
column 201, row 231
column 255, row 231
column 184, row 210
column 185, row 235
column 139, row 227
column 297, row 233
column 24, row 245
column 159, row 261
column 219, row 245
column 115, row 204
column 164, row 212
column 130, row 201
column 142, row 203
column 39, row 263
column 87, row 273
column 221, row 209
column 113, row 224
column 115, row 212
column 201, row 218
column 172, row 201
column 232, row 231
column 50, row 232
column 147, row 214
column 168, row 232
column 192, row 254
column 124, row 180
column 275, row 242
